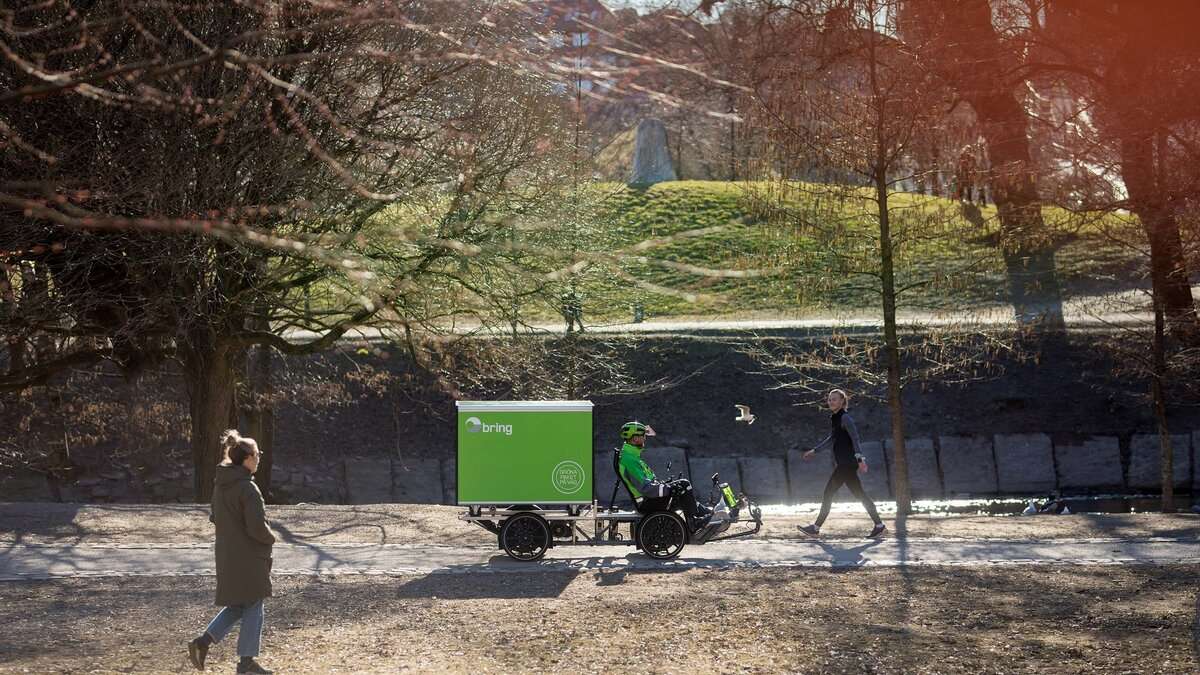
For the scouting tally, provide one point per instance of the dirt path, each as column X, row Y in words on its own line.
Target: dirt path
column 33, row 523
column 943, row 620
column 595, row 618
column 1123, row 308
column 20, row 562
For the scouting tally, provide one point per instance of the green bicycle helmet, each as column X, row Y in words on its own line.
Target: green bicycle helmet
column 631, row 429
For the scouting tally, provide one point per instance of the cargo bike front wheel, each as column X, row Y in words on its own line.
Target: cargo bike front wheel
column 525, row 536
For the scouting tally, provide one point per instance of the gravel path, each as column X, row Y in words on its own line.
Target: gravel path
column 962, row 595
column 47, row 523
column 39, row 541
column 44, row 561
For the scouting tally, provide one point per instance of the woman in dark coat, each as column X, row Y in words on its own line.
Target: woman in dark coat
column 243, row 549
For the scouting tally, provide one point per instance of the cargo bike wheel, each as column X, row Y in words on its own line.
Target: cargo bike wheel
column 661, row 535
column 525, row 536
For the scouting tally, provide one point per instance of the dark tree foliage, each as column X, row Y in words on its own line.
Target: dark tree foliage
column 189, row 181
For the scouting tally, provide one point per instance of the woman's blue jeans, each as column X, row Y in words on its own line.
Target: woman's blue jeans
column 250, row 634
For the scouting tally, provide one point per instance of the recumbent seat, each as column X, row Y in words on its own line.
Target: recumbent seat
column 644, row 506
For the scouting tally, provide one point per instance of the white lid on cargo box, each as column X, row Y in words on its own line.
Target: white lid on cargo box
column 524, row 406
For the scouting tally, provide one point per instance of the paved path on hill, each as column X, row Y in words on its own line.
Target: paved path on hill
column 1095, row 312
column 23, row 561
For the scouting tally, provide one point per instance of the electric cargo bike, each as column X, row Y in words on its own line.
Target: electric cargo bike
column 526, row 473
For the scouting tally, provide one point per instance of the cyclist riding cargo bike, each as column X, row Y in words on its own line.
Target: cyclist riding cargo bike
column 649, row 493
column 525, row 473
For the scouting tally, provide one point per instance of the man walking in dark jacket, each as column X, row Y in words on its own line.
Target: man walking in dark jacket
column 848, row 463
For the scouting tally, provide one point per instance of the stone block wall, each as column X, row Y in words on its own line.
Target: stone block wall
column 604, row 478
column 765, row 479
column 668, row 462
column 954, row 466
column 1089, row 464
column 924, row 476
column 876, row 481
column 703, row 469
column 417, row 481
column 968, row 466
column 1024, row 463
column 450, row 482
column 369, row 480
column 1145, row 461
column 807, row 477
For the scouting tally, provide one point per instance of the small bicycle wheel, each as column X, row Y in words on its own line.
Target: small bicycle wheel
column 525, row 536
column 661, row 535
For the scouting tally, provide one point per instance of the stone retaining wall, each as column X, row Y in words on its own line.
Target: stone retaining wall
column 944, row 467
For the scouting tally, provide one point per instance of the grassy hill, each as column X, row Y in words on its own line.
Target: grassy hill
column 809, row 257
column 735, row 249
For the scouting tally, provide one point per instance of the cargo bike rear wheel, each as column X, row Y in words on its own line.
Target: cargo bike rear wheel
column 525, row 536
column 661, row 535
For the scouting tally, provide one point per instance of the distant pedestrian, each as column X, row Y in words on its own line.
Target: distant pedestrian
column 848, row 463
column 571, row 307
column 243, row 550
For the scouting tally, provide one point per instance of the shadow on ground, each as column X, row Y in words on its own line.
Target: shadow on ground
column 479, row 586
column 855, row 619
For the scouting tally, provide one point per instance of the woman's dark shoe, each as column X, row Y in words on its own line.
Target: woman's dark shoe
column 197, row 652
column 251, row 666
column 877, row 531
column 810, row 531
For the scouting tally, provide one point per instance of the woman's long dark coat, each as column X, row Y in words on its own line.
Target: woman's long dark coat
column 243, row 539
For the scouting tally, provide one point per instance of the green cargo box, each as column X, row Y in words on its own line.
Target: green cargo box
column 524, row 452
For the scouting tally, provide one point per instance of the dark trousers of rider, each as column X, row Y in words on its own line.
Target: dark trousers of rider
column 845, row 475
column 685, row 501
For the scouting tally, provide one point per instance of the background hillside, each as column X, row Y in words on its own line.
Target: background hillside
column 809, row 268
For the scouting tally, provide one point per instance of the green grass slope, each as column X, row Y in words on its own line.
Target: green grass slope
column 807, row 249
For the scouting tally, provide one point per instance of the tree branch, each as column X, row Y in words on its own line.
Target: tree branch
column 38, row 374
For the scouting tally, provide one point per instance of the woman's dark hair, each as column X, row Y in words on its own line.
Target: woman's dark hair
column 237, row 448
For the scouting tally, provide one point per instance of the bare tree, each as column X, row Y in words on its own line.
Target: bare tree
column 844, row 103
column 200, row 183
column 1130, row 67
column 189, row 183
column 961, row 43
column 1128, row 70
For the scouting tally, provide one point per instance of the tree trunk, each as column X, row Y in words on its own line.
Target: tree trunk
column 212, row 386
column 899, row 451
column 1024, row 242
column 959, row 41
column 881, row 166
column 1168, row 269
column 258, row 416
column 892, row 346
column 1160, row 411
column 1138, row 127
column 8, row 313
column 35, row 296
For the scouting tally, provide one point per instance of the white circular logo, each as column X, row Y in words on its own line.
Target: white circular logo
column 567, row 477
column 474, row 425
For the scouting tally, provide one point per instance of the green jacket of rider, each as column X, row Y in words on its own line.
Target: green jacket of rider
column 638, row 475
